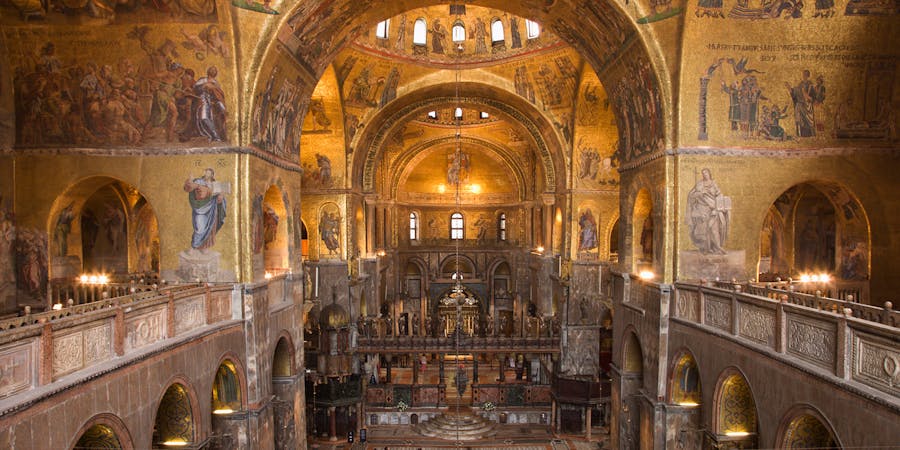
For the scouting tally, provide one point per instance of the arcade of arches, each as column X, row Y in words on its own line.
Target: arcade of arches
column 642, row 224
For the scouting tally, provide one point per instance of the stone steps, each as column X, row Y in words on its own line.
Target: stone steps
column 464, row 425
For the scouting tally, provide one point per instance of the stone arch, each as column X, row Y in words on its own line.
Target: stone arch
column 549, row 150
column 643, row 232
column 222, row 385
column 462, row 263
column 177, row 414
column 685, row 385
column 401, row 168
column 735, row 415
column 103, row 431
column 276, row 255
column 102, row 224
column 804, row 426
column 632, row 354
column 285, row 388
column 601, row 32
column 819, row 227
column 614, row 237
column 283, row 356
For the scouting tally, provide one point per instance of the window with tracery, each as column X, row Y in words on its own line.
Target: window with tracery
column 501, row 226
column 413, row 226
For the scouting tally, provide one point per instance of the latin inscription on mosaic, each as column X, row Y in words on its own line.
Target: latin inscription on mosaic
column 16, row 369
column 718, row 313
column 97, row 344
column 877, row 365
column 757, row 324
column 189, row 314
column 688, row 306
column 145, row 329
column 68, row 353
column 812, row 341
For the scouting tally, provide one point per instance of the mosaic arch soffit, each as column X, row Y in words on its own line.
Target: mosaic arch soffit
column 398, row 170
column 402, row 115
column 350, row 19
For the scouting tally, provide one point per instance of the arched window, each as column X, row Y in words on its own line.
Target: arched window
column 419, row 32
column 533, row 30
column 497, row 31
column 501, row 225
column 382, row 29
column 457, row 226
column 433, row 115
column 458, row 113
column 413, row 226
column 459, row 32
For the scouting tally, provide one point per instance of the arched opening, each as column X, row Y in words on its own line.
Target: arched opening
column 643, row 232
column 276, row 257
column 304, row 240
column 632, row 356
column 226, row 392
column 226, row 400
column 103, row 431
column 98, row 436
column 817, row 233
column 627, row 417
column 286, row 390
column 805, row 428
column 614, row 241
column 100, row 226
column 735, row 419
column 174, row 424
column 685, row 392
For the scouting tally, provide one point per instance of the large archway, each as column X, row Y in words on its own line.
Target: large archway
column 818, row 234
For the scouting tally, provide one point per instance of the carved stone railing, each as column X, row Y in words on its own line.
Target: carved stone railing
column 39, row 349
column 836, row 344
column 468, row 344
column 789, row 293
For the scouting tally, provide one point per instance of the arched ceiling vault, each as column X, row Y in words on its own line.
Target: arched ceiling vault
column 315, row 31
column 548, row 144
column 406, row 162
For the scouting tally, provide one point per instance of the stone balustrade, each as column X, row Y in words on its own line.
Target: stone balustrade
column 39, row 349
column 786, row 291
column 822, row 335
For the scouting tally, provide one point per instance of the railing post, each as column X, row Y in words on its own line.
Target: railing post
column 119, row 332
column 843, row 353
column 170, row 316
column 735, row 317
column 207, row 304
column 701, row 298
column 781, row 325
column 45, row 371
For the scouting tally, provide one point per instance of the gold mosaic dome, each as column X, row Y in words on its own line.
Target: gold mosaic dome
column 334, row 316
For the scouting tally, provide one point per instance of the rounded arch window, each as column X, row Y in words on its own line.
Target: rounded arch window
column 457, row 226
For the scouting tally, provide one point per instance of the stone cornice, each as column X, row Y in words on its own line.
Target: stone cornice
column 152, row 152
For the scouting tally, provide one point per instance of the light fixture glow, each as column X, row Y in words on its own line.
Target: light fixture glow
column 476, row 188
column 223, row 411
column 92, row 279
column 441, row 188
column 804, row 278
column 175, row 443
column 814, row 278
column 57, row 306
column 690, row 404
column 737, row 433
column 824, row 278
column 646, row 275
column 83, row 278
column 268, row 275
column 540, row 249
column 102, row 279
